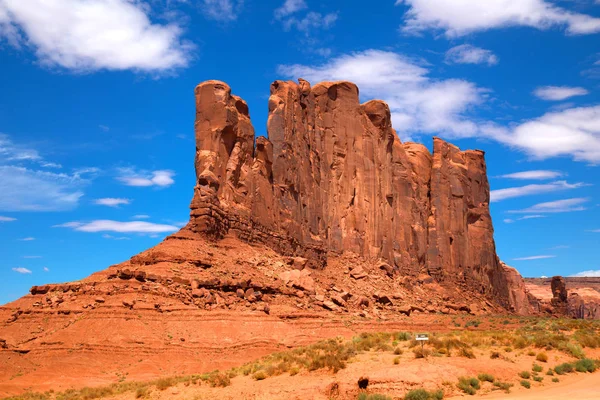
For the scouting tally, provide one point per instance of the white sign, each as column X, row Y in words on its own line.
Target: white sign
column 422, row 336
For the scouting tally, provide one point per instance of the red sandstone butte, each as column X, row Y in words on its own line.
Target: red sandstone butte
column 334, row 177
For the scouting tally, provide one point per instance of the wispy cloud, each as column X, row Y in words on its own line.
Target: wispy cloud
column 7, row 219
column 509, row 193
column 594, row 230
column 141, row 216
column 587, row 274
column 511, row 220
column 468, row 54
column 23, row 189
column 559, row 247
column 118, row 226
column 104, row 128
column 558, row 93
column 222, row 10
column 87, row 35
column 46, row 269
column 558, row 206
column 459, row 18
column 107, row 236
column 534, row 175
column 533, row 258
column 290, row 7
column 31, row 257
column 111, row 201
column 27, row 239
column 308, row 23
column 22, row 270
column 132, row 177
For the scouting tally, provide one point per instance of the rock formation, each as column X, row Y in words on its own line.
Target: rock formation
column 328, row 227
column 334, row 177
column 572, row 297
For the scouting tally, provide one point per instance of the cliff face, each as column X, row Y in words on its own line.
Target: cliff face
column 573, row 297
column 333, row 177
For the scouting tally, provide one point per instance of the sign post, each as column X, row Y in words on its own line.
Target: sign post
column 422, row 337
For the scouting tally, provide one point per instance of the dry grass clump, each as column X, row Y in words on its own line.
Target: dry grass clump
column 422, row 394
column 542, row 357
column 485, row 377
column 503, row 386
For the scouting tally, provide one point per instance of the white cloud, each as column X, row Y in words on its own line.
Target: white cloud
column 32, row 257
column 46, row 269
column 558, row 206
column 311, row 22
column 131, row 177
column 587, row 274
column 107, row 236
column 111, row 201
column 508, row 220
column 27, row 239
column 527, row 190
column 573, row 132
column 595, row 230
column 461, row 17
column 290, row 7
column 141, row 216
column 7, row 219
column 535, row 216
column 23, row 189
column 118, row 226
column 533, row 258
column 104, row 128
column 468, row 54
column 417, row 102
column 22, row 270
column 87, row 35
column 13, row 152
column 222, row 10
column 534, row 175
column 558, row 93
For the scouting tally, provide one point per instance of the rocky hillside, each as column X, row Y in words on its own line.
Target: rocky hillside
column 330, row 223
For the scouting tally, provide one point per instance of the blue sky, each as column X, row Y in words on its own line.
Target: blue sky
column 97, row 112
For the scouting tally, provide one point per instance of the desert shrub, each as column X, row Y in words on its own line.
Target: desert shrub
column 508, row 349
column 526, row 384
column 587, row 338
column 531, row 353
column 165, row 383
column 474, row 323
column 396, row 360
column 555, row 380
column 503, row 386
column 294, row 371
column 563, row 368
column 218, row 379
column 260, row 375
column 538, row 378
column 397, row 351
column 485, row 377
column 537, row 368
column 520, row 342
column 421, row 353
column 525, row 374
column 542, row 357
column 464, row 352
column 468, row 385
column 141, row 392
column 374, row 396
column 403, row 336
column 585, row 365
column 422, row 394
column 550, row 372
column 575, row 350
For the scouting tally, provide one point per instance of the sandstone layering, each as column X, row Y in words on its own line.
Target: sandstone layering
column 333, row 177
column 327, row 224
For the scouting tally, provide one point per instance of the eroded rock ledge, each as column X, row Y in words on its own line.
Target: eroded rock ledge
column 334, row 177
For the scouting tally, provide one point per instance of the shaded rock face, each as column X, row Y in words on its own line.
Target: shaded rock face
column 333, row 177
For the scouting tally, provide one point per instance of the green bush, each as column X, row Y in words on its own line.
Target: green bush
column 526, row 384
column 575, row 350
column 585, row 365
column 525, row 374
column 422, row 394
column 555, row 380
column 403, row 336
column 550, row 372
column 485, row 377
column 468, row 385
column 537, row 368
column 538, row 378
column 503, row 386
column 563, row 368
